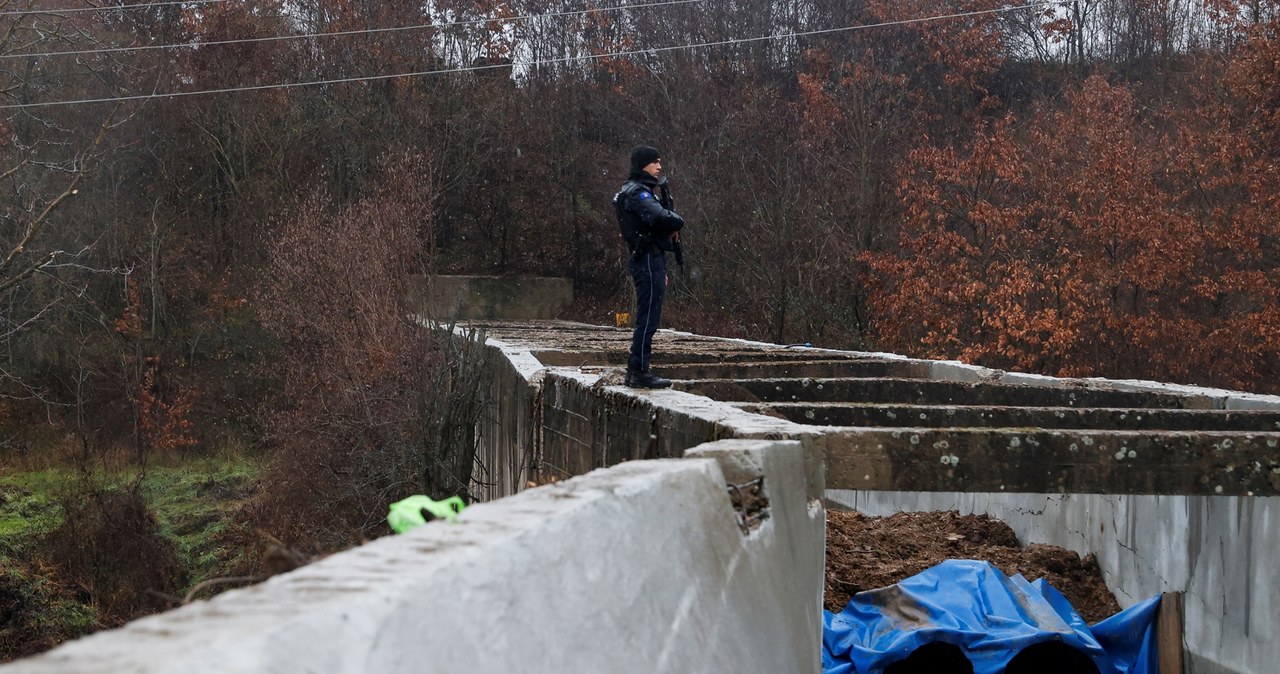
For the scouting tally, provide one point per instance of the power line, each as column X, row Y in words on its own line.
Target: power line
column 363, row 31
column 529, row 64
column 107, row 8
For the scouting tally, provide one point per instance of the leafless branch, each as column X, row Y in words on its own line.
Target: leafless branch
column 24, row 274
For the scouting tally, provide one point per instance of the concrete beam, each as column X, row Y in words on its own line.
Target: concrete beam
column 1058, row 461
column 919, row 392
column 899, row 415
column 716, row 364
column 784, row 369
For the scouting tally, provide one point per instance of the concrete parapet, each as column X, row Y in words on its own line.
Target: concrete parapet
column 1218, row 398
column 1220, row 550
column 588, row 423
column 642, row 568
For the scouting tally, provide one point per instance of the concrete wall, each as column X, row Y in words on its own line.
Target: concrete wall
column 1216, row 549
column 641, row 568
column 507, row 432
column 588, row 422
column 1221, row 551
column 566, row 422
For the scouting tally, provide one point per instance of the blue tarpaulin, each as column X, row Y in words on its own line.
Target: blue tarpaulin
column 991, row 617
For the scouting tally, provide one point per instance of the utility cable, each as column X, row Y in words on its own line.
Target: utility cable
column 363, row 31
column 106, row 8
column 530, row 64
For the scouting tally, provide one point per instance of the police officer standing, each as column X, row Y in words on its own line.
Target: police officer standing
column 650, row 228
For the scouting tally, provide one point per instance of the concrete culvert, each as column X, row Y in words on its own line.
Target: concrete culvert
column 1050, row 657
column 933, row 658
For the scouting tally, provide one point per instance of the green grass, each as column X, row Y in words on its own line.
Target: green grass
column 193, row 503
column 60, row 612
column 29, row 509
column 40, row 614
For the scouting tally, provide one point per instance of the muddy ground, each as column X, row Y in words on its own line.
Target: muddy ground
column 865, row 553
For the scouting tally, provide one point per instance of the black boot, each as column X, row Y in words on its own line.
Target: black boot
column 646, row 380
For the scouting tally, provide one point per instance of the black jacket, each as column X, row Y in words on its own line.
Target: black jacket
column 644, row 214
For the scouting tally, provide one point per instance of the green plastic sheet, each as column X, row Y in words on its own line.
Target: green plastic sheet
column 408, row 514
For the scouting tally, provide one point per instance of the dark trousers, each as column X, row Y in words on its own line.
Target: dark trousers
column 649, row 271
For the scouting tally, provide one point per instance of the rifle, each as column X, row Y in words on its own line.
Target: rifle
column 669, row 203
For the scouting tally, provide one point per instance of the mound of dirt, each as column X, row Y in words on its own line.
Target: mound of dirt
column 865, row 553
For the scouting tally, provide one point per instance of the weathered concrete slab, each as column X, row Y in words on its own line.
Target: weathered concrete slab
column 789, row 369
column 577, row 357
column 920, row 392
column 1220, row 398
column 588, row 422
column 563, row 343
column 976, row 416
column 1058, row 461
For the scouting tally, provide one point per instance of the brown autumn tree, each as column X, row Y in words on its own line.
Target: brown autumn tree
column 1079, row 243
column 374, row 407
column 1229, row 154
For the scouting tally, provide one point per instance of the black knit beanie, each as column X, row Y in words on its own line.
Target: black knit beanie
column 642, row 156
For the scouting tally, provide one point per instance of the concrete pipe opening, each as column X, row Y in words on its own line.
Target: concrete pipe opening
column 1051, row 657
column 933, row 658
